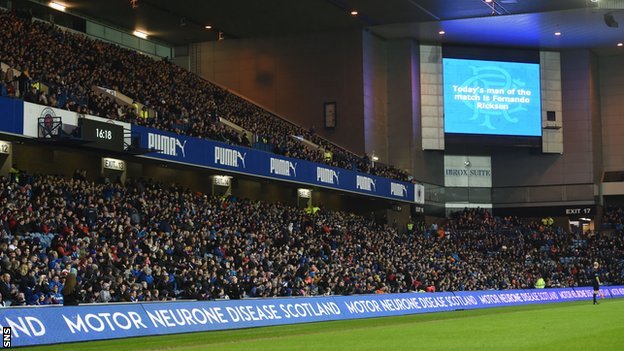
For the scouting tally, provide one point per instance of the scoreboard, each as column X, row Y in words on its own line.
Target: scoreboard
column 102, row 135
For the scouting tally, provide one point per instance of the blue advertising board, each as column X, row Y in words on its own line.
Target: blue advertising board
column 12, row 112
column 57, row 324
column 230, row 158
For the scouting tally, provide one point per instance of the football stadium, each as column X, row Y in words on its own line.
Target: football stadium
column 312, row 175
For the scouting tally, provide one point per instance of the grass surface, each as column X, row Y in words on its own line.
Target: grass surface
column 562, row 326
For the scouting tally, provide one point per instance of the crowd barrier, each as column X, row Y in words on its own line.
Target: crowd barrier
column 58, row 324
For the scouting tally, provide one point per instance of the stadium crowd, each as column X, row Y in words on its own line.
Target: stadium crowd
column 71, row 64
column 144, row 241
column 613, row 218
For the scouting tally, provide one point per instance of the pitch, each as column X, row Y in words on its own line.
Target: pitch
column 563, row 326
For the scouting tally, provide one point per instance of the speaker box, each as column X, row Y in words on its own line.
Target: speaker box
column 551, row 116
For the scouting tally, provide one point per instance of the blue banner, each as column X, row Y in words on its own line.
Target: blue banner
column 12, row 112
column 229, row 158
column 57, row 324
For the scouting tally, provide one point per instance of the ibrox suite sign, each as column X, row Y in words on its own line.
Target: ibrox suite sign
column 56, row 324
column 235, row 159
column 468, row 172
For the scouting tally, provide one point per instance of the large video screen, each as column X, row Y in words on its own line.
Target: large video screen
column 491, row 97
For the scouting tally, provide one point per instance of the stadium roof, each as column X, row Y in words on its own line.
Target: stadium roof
column 522, row 23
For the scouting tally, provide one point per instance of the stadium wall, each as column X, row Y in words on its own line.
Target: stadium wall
column 37, row 159
column 57, row 324
column 392, row 77
column 375, row 85
column 294, row 76
column 612, row 105
column 520, row 167
column 522, row 177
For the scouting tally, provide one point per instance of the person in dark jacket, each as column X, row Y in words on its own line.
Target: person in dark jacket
column 235, row 292
column 6, row 288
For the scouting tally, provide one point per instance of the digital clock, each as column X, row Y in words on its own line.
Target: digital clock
column 102, row 135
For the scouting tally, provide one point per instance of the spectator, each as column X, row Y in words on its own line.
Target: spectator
column 20, row 300
column 56, row 280
column 24, row 81
column 55, row 295
column 71, row 292
column 6, row 288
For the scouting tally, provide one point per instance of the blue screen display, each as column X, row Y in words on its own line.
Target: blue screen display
column 491, row 97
